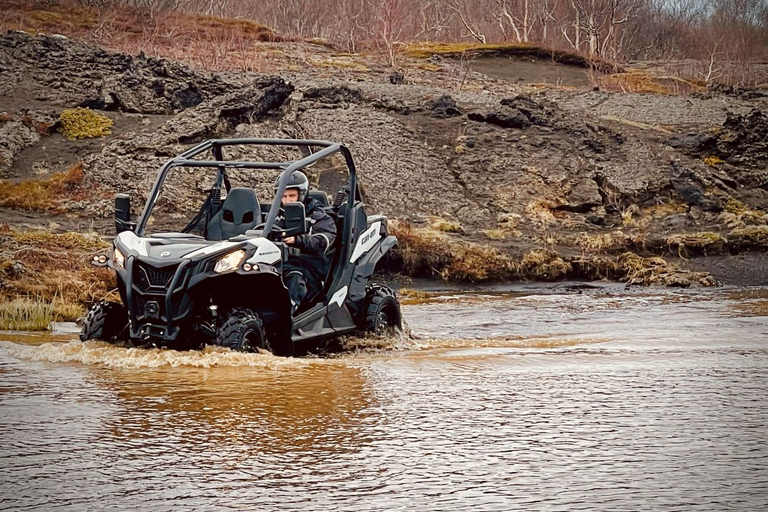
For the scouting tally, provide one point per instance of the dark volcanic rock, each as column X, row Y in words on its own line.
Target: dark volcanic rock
column 397, row 78
column 443, row 107
column 84, row 75
column 583, row 196
column 695, row 144
column 744, row 139
column 519, row 112
column 130, row 164
column 337, row 95
column 691, row 190
column 503, row 119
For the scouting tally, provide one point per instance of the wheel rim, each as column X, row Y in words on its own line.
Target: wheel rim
column 382, row 322
column 250, row 340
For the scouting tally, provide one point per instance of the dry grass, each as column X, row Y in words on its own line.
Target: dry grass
column 446, row 226
column 25, row 314
column 705, row 243
column 712, row 160
column 431, row 253
column 341, row 63
column 543, row 265
column 495, row 234
column 46, row 266
column 48, row 194
column 749, row 238
column 656, row 270
column 609, row 242
column 640, row 81
column 205, row 42
column 738, row 215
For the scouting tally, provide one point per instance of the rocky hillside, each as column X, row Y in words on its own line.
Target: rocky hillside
column 573, row 173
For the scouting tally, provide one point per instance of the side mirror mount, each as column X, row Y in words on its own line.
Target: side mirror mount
column 295, row 219
column 123, row 220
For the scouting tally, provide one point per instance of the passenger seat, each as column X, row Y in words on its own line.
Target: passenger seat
column 239, row 213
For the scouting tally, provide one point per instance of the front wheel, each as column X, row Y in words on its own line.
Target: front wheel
column 382, row 310
column 242, row 330
column 105, row 321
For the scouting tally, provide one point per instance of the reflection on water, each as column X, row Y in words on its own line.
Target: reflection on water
column 533, row 401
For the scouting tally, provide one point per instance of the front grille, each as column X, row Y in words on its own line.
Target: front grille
column 148, row 276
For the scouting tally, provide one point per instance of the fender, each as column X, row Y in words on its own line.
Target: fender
column 376, row 252
column 364, row 270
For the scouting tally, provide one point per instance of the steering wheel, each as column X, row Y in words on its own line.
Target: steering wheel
column 276, row 232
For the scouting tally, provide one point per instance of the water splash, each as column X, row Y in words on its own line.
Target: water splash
column 101, row 353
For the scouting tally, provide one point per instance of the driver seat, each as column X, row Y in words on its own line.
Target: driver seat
column 239, row 213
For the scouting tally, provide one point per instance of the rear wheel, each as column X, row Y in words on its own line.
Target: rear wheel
column 105, row 321
column 382, row 310
column 243, row 330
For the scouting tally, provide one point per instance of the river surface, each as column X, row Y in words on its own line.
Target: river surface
column 526, row 399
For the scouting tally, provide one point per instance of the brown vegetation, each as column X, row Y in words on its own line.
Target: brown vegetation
column 50, row 194
column 426, row 252
column 41, row 266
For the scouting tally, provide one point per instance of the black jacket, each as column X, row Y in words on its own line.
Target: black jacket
column 315, row 244
column 322, row 231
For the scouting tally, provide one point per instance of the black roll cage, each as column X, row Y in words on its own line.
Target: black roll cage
column 215, row 145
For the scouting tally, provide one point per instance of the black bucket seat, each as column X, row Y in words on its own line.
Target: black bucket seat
column 239, row 213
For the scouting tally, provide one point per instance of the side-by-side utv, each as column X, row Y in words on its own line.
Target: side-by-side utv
column 219, row 280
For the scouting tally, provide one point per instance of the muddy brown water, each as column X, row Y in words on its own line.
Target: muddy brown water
column 524, row 399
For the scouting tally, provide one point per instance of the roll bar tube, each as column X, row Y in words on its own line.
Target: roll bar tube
column 186, row 159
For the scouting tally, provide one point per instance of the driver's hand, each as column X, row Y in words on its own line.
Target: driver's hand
column 290, row 240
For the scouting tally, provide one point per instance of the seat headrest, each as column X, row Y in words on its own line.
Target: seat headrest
column 319, row 196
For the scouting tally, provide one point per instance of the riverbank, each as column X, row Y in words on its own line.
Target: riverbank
column 489, row 178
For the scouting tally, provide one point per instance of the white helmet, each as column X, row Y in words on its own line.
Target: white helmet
column 297, row 180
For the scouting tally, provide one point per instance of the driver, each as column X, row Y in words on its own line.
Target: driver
column 307, row 271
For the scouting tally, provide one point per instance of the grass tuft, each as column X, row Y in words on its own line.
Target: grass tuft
column 543, row 265
column 26, row 314
column 446, row 226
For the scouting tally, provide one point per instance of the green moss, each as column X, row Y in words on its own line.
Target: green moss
column 84, row 123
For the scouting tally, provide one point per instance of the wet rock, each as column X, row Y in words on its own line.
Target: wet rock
column 443, row 107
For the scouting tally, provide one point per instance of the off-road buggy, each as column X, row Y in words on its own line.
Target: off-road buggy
column 218, row 279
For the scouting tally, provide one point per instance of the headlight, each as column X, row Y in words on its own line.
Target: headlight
column 229, row 262
column 119, row 258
